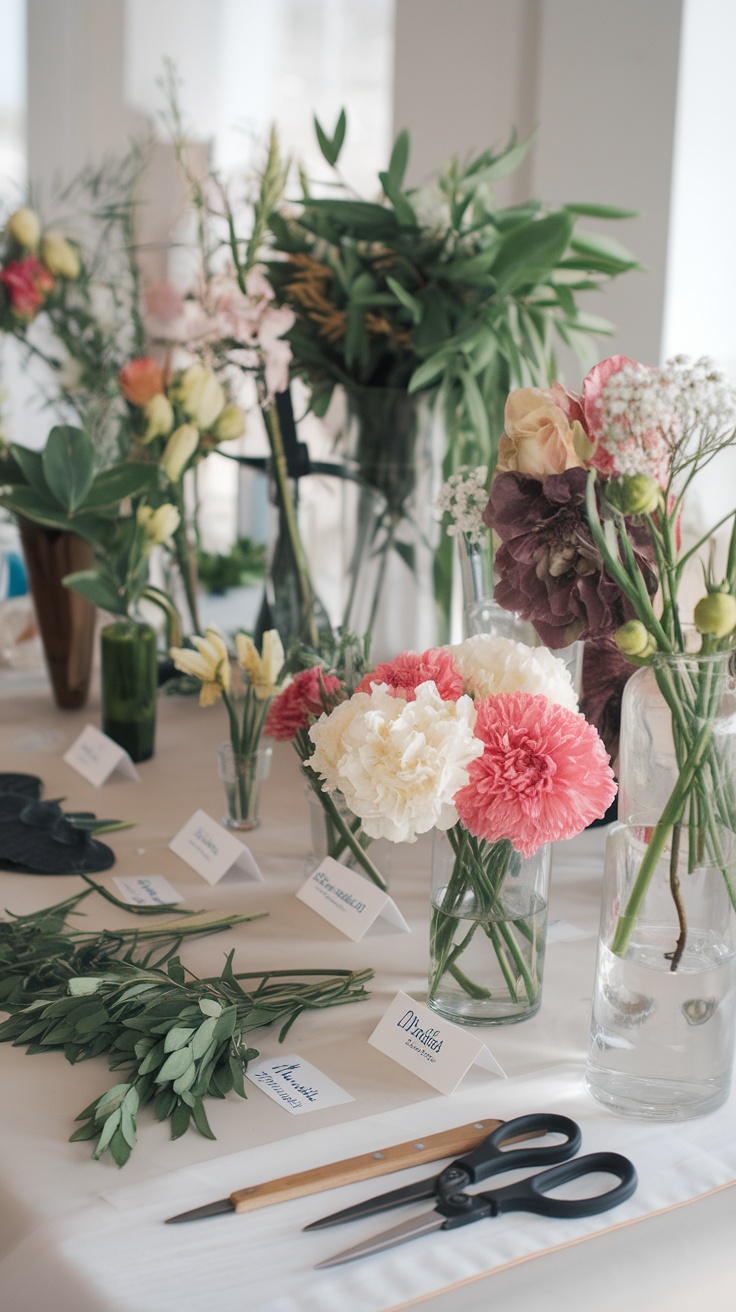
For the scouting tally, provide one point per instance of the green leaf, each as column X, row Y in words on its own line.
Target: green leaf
column 199, row 1116
column 108, row 1130
column 119, row 1148
column 399, row 160
column 210, row 1007
column 175, row 1065
column 500, row 167
column 69, row 465
column 428, row 373
column 331, row 146
column 180, row 1121
column 203, row 1037
column 121, row 481
column 528, row 253
column 88, row 583
column 31, row 465
column 177, row 1038
column 406, row 299
column 402, row 207
column 601, row 211
column 597, row 244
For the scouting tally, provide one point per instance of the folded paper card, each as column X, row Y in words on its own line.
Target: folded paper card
column 212, row 851
column 147, row 890
column 432, row 1048
column 348, row 901
column 96, row 757
column 296, row 1085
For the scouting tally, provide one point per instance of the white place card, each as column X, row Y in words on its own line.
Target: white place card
column 296, row 1085
column 96, row 757
column 147, row 890
column 212, row 851
column 348, row 900
column 432, row 1048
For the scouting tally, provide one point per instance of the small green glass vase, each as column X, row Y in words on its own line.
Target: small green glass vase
column 129, row 685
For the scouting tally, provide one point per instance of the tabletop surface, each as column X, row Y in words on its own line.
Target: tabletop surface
column 666, row 1261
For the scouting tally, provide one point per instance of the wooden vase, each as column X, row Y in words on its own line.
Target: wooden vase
column 66, row 621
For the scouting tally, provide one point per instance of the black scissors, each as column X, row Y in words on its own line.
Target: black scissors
column 454, row 1207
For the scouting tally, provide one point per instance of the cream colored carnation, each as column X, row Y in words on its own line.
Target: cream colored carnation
column 490, row 664
column 399, row 764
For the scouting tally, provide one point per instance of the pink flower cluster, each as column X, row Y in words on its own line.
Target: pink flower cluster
column 544, row 772
column 300, row 703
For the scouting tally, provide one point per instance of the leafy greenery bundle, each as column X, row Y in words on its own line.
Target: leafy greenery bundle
column 178, row 1038
column 437, row 288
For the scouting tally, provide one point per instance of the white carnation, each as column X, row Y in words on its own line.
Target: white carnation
column 399, row 764
column 489, row 664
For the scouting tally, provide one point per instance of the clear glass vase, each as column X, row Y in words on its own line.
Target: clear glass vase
column 129, row 684
column 664, row 1005
column 393, row 444
column 243, row 774
column 680, row 702
column 488, row 929
column 484, row 615
column 329, row 839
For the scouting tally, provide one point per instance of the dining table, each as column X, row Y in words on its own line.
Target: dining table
column 83, row 1235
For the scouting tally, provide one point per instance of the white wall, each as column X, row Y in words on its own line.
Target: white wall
column 598, row 81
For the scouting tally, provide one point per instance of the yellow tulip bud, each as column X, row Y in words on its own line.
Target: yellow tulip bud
column 159, row 416
column 633, row 639
column 59, row 256
column 200, row 395
column 178, row 451
column 230, row 424
column 716, row 614
column 24, row 227
column 637, row 494
column 144, row 515
column 163, row 524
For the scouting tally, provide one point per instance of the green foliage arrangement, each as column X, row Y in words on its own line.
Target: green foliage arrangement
column 177, row 1038
column 438, row 288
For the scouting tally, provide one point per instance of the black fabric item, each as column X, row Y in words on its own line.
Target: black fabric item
column 36, row 838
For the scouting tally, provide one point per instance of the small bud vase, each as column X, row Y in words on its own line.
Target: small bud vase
column 488, row 929
column 129, row 683
column 327, row 839
column 243, row 773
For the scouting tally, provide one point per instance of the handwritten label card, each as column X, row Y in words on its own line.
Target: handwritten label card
column 348, row 901
column 212, row 851
column 432, row 1048
column 147, row 890
column 296, row 1085
column 96, row 757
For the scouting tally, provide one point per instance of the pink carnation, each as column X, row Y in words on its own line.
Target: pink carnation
column 544, row 773
column 405, row 673
column 299, row 703
column 593, row 409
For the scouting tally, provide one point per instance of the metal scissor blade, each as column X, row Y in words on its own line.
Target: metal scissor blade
column 399, row 1234
column 199, row 1213
column 409, row 1193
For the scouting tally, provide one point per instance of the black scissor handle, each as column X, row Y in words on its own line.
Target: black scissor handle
column 531, row 1195
column 490, row 1158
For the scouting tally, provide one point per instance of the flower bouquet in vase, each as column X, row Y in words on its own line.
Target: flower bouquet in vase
column 482, row 744
column 598, row 546
column 247, row 687
column 313, row 691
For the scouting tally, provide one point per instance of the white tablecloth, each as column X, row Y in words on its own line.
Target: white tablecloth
column 82, row 1236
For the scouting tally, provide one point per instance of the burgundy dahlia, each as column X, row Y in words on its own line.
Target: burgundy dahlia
column 550, row 570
